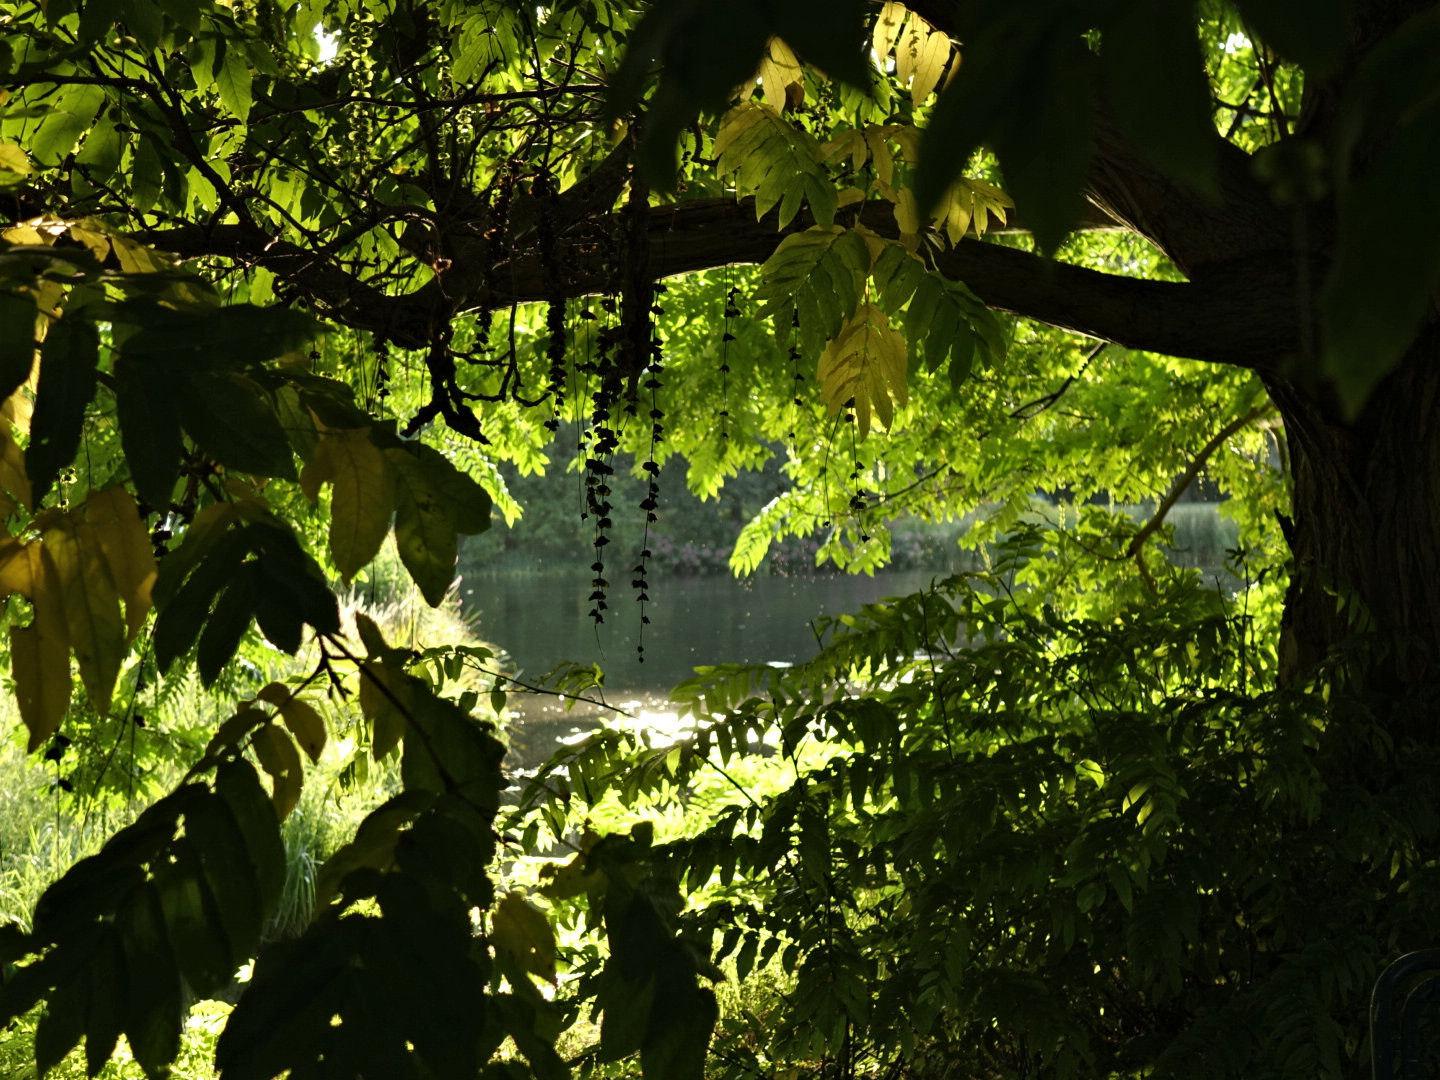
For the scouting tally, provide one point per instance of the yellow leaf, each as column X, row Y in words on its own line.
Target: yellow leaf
column 874, row 243
column 40, row 652
column 887, row 29
column 13, row 159
column 907, row 212
column 908, row 136
column 738, row 121
column 19, row 407
column 279, row 758
column 305, row 724
column 865, row 364
column 97, row 243
column 920, row 58
column 12, row 470
column 136, row 258
column 126, row 545
column 779, row 71
column 849, row 143
column 521, row 929
column 23, row 234
column 362, row 497
column 879, row 146
column 91, row 605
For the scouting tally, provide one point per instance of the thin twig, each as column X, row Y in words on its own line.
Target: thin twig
column 1184, row 480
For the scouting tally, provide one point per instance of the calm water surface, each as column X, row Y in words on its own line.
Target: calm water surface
column 542, row 622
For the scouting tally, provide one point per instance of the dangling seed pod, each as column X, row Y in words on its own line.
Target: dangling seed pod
column 641, row 581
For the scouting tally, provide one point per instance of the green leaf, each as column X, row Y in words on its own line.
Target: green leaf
column 776, row 161
column 213, row 829
column 145, row 21
column 61, row 1024
column 239, row 787
column 1024, row 87
column 819, row 272
column 362, row 496
column 73, row 111
column 469, row 503
column 67, row 385
column 232, row 79
column 104, row 1020
column 1381, row 281
column 289, row 575
column 149, row 429
column 101, row 151
column 153, row 1012
column 943, row 318
column 181, row 617
column 227, row 624
column 425, row 530
column 192, row 921
column 231, row 420
column 284, row 1019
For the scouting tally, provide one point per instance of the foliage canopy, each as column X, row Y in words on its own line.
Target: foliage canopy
column 280, row 281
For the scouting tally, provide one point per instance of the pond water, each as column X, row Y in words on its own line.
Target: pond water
column 542, row 622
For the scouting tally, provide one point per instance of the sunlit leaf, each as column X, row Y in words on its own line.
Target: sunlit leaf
column 865, row 365
column 91, row 603
column 126, row 545
column 362, row 499
column 306, row 725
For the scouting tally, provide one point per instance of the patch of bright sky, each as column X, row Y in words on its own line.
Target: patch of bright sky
column 329, row 45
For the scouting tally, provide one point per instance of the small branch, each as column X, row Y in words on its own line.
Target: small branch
column 1183, row 481
column 1035, row 408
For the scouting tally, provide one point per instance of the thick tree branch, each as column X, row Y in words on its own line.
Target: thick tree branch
column 1246, row 317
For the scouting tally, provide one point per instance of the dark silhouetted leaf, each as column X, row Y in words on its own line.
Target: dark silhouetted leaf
column 67, row 384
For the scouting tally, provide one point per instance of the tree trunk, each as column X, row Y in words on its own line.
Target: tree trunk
column 1364, row 595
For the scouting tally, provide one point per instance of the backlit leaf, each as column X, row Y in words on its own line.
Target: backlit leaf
column 13, row 480
column 385, row 699
column 126, row 544
column 865, row 364
column 887, row 28
column 425, row 530
column 820, row 274
column 91, row 604
column 920, row 57
column 278, row 757
column 362, row 498
column 39, row 652
column 775, row 161
column 232, row 80
column 306, row 725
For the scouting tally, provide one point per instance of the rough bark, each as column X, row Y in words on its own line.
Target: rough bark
column 1365, row 588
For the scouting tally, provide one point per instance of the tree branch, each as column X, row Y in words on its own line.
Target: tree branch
column 1246, row 317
